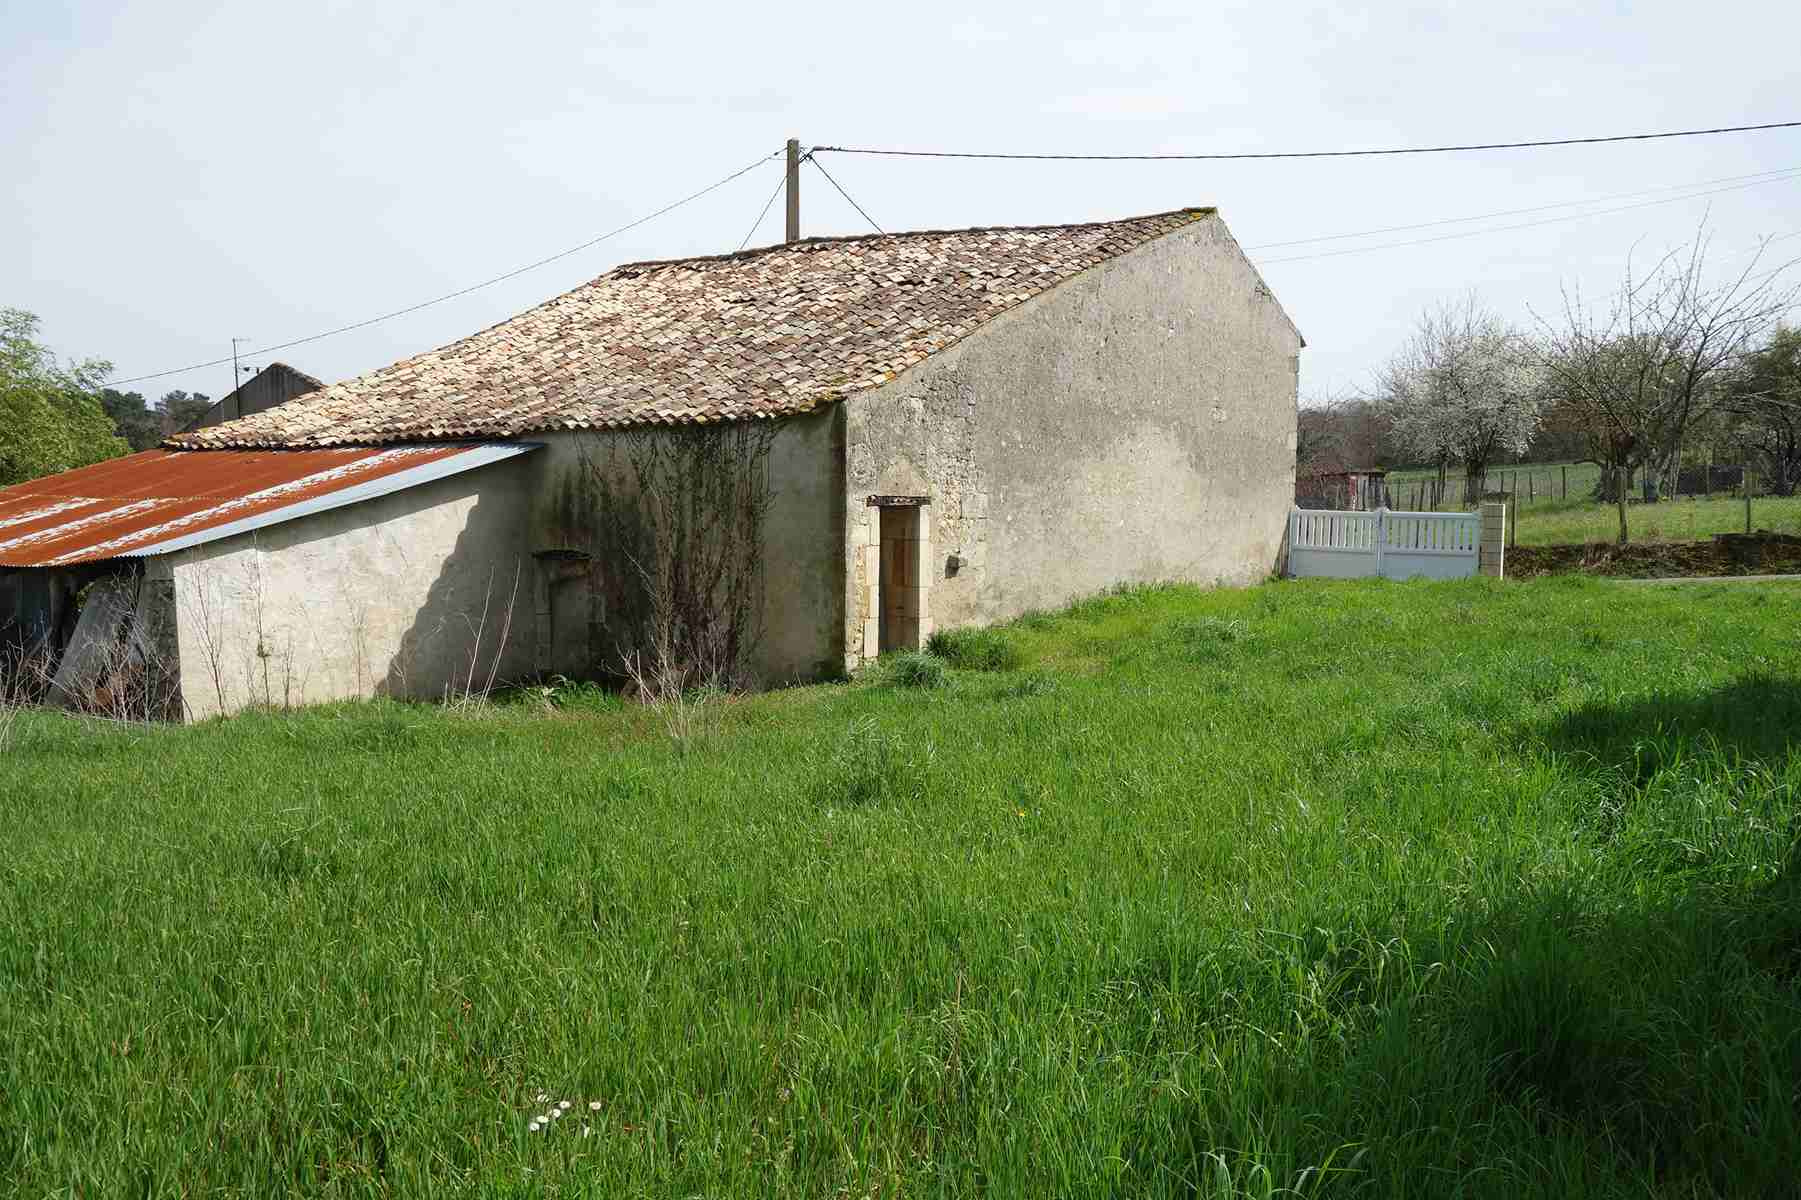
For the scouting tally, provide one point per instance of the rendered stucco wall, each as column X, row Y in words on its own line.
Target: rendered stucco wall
column 408, row 594
column 1134, row 424
column 399, row 595
column 803, row 579
column 801, row 608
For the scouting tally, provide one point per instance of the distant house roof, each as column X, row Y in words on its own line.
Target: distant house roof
column 158, row 501
column 275, row 384
column 766, row 333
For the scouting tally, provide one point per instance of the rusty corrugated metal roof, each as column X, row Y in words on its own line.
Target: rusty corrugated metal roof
column 157, row 501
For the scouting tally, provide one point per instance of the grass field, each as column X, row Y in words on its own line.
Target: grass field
column 1550, row 520
column 1364, row 889
column 1556, row 523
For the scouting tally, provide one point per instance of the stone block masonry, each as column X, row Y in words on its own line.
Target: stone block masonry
column 1133, row 425
column 1491, row 551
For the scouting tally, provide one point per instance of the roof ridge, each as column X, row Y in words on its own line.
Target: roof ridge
column 1193, row 211
column 292, row 370
column 768, row 333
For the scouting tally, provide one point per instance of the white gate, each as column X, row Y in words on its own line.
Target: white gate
column 1394, row 545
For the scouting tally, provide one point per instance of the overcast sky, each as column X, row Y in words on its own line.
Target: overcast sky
column 182, row 172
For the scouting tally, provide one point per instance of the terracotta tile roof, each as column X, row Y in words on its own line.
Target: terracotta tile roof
column 766, row 333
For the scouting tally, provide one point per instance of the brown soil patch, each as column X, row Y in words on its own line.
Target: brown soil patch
column 1760, row 553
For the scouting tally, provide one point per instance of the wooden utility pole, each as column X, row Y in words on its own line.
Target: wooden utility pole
column 236, row 370
column 793, row 190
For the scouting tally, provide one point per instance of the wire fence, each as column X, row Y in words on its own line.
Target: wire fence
column 1527, row 484
column 1564, row 504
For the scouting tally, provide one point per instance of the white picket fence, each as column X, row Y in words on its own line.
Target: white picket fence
column 1394, row 545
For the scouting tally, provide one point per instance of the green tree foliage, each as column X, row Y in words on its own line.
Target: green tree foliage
column 133, row 418
column 50, row 416
column 1765, row 395
column 181, row 409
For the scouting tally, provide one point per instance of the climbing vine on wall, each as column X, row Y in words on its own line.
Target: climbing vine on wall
column 674, row 519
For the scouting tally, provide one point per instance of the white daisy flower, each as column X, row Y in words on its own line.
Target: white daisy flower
column 594, row 1105
column 563, row 1104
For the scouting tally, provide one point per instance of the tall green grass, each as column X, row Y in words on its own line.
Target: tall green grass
column 977, row 649
column 1361, row 889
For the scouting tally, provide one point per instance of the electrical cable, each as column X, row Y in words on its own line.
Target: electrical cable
column 780, row 184
column 1445, row 237
column 474, row 287
column 1749, row 181
column 1758, row 177
column 1570, row 141
column 842, row 192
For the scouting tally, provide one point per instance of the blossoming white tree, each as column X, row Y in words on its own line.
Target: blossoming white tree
column 1464, row 389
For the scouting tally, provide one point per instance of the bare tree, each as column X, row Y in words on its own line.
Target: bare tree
column 1338, row 430
column 1465, row 389
column 1327, row 433
column 1319, row 433
column 1635, row 376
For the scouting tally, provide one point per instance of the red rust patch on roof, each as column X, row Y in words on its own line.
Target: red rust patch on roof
column 126, row 505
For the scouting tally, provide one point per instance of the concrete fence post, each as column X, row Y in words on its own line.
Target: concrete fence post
column 1492, row 549
column 1381, row 537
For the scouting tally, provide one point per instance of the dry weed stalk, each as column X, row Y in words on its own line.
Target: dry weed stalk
column 683, row 511
column 681, row 693
column 469, row 696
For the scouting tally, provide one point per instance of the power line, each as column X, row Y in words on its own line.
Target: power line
column 474, row 287
column 1445, row 237
column 1757, row 177
column 779, row 185
column 842, row 192
column 1571, row 141
column 1749, row 181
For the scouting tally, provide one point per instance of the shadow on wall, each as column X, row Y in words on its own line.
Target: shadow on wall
column 1756, row 719
column 386, row 597
column 476, row 628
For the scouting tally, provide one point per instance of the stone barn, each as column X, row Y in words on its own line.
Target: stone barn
column 275, row 384
column 948, row 428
